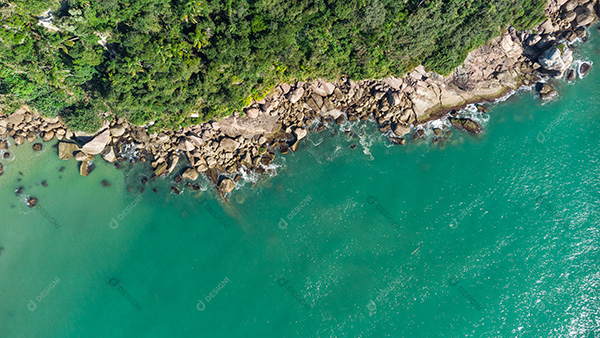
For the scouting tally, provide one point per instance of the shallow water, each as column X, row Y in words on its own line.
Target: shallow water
column 493, row 235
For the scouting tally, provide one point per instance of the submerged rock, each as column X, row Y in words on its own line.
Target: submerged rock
column 32, row 202
column 37, row 147
column 467, row 124
column 105, row 183
column 1, row 169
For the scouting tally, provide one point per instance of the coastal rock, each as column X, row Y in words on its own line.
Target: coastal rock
column 85, row 168
column 401, row 129
column 117, row 130
column 3, row 145
column 252, row 113
column 47, row 135
column 570, row 75
column 19, row 140
column 190, row 174
column 66, row 150
column 546, row 91
column 228, row 144
column 30, row 137
column 300, row 133
column 185, row 145
column 227, row 185
column 296, row 95
column 557, row 58
column 174, row 159
column 108, row 154
column 83, row 157
column 584, row 68
column 97, row 144
column 465, row 124
column 584, row 16
column 16, row 117
column 32, row 201
column 160, row 169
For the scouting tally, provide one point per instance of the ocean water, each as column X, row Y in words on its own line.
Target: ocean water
column 495, row 235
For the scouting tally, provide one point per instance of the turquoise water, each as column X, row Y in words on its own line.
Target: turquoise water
column 488, row 236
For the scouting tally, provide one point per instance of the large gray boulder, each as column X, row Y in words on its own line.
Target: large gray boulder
column 557, row 58
column 229, row 145
column 97, row 144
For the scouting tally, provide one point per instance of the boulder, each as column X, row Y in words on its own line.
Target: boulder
column 228, row 145
column 557, row 58
column 227, row 185
column 584, row 68
column 66, row 150
column 584, row 17
column 481, row 108
column 30, row 137
column 108, row 154
column 16, row 117
column 323, row 88
column 32, row 201
column 296, row 95
column 19, row 140
column 401, row 129
column 185, row 145
column 465, row 124
column 160, row 169
column 252, row 113
column 83, row 157
column 117, row 130
column 300, row 133
column 3, row 145
column 97, row 144
column 546, row 91
column 570, row 75
column 37, row 147
column 48, row 136
column 85, row 168
column 190, row 174
column 174, row 159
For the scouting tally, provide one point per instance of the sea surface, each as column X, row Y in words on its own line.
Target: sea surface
column 494, row 235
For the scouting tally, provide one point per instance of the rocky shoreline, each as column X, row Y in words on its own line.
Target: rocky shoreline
column 400, row 106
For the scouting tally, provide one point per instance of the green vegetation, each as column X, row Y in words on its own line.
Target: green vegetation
column 166, row 60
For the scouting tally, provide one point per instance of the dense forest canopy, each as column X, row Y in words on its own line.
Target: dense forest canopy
column 164, row 61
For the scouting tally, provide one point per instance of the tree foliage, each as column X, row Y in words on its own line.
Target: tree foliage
column 157, row 60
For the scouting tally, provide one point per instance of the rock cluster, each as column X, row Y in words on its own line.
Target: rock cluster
column 249, row 140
